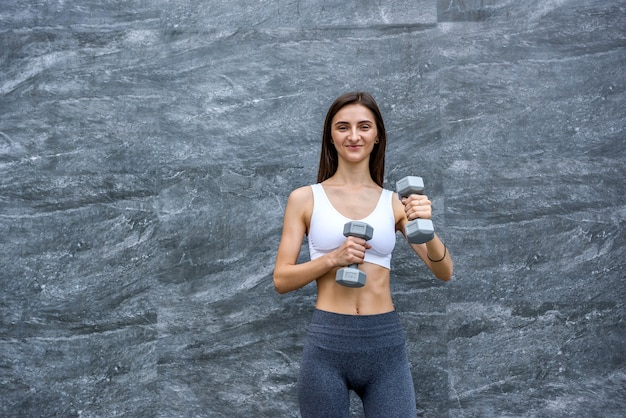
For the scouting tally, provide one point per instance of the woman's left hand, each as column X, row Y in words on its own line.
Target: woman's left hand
column 417, row 206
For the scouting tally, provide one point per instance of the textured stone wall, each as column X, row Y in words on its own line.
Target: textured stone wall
column 147, row 149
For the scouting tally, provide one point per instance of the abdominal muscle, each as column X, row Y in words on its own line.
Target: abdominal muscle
column 371, row 299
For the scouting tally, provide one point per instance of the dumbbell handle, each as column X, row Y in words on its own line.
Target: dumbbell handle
column 351, row 276
column 418, row 231
column 358, row 229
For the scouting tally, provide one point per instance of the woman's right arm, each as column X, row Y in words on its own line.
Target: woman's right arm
column 288, row 275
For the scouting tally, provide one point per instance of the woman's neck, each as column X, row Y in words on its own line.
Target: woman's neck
column 354, row 176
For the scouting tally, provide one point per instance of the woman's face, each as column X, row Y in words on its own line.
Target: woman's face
column 354, row 133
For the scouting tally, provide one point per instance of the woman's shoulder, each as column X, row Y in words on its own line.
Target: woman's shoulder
column 300, row 205
column 301, row 192
column 301, row 196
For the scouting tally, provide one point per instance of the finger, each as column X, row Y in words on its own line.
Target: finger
column 358, row 242
column 424, row 214
column 356, row 248
column 357, row 256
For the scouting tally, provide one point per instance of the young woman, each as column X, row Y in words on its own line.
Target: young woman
column 355, row 340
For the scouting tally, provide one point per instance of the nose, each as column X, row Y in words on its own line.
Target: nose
column 354, row 134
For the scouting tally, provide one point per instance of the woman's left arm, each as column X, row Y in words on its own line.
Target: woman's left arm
column 434, row 253
column 437, row 257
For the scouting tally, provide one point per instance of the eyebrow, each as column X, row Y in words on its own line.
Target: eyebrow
column 340, row 122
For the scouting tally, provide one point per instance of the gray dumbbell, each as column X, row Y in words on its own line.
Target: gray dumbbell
column 418, row 231
column 351, row 276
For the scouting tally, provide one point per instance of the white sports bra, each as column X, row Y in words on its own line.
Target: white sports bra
column 326, row 229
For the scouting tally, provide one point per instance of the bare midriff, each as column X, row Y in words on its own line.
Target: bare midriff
column 371, row 299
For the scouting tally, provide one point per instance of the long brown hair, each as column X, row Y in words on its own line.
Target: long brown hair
column 328, row 158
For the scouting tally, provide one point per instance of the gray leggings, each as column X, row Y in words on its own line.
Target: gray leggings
column 366, row 354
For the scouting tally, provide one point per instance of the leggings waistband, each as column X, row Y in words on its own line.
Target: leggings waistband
column 355, row 332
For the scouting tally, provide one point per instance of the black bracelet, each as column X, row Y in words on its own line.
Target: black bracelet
column 441, row 259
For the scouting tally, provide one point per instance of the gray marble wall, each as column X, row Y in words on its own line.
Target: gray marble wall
column 147, row 149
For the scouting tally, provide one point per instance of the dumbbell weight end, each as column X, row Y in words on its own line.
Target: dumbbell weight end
column 350, row 276
column 420, row 231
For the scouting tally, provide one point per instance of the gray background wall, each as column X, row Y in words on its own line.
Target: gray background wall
column 147, row 149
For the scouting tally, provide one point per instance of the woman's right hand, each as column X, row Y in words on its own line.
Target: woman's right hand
column 352, row 251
